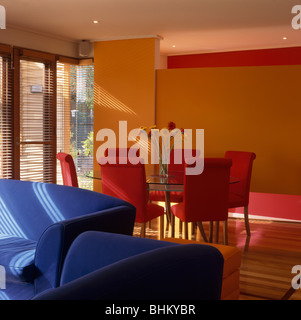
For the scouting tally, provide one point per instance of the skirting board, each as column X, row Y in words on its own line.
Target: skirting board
column 253, row 217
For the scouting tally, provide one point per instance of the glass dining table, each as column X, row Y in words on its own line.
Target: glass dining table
column 173, row 182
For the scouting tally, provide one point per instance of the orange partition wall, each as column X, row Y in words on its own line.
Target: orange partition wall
column 124, row 86
column 241, row 108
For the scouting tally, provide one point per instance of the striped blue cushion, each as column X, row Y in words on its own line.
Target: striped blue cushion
column 17, row 257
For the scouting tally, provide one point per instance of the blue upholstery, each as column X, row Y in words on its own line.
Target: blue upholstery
column 107, row 266
column 17, row 257
column 38, row 223
column 96, row 250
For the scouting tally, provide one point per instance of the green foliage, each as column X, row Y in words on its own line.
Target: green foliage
column 88, row 145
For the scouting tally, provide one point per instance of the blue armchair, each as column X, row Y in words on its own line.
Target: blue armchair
column 104, row 266
column 38, row 223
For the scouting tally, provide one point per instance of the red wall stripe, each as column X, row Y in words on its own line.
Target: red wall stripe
column 264, row 57
column 281, row 206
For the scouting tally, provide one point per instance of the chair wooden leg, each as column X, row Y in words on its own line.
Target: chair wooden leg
column 142, row 232
column 200, row 225
column 247, row 224
column 216, row 236
column 172, row 222
column 185, row 230
column 210, row 231
column 225, row 232
column 180, row 227
column 161, row 227
column 193, row 231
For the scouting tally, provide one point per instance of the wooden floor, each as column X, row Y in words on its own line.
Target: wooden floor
column 267, row 256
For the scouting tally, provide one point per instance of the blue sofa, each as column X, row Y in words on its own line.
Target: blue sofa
column 106, row 266
column 39, row 222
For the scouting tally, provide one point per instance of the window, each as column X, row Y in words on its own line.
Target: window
column 75, row 118
column 46, row 106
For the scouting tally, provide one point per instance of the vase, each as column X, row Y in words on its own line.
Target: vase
column 163, row 169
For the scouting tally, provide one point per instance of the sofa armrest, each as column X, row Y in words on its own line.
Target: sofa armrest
column 190, row 272
column 94, row 250
column 54, row 243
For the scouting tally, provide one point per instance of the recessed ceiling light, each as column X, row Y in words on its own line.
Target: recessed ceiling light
column 284, row 38
column 173, row 46
column 95, row 21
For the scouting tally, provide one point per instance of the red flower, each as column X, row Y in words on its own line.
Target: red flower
column 171, row 125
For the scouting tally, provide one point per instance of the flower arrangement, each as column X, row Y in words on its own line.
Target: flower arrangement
column 171, row 136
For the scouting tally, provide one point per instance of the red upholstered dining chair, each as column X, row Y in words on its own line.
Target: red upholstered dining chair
column 68, row 169
column 128, row 182
column 242, row 163
column 206, row 197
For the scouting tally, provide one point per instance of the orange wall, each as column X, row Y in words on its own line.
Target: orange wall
column 241, row 108
column 124, row 86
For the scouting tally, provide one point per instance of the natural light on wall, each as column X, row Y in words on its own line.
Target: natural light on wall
column 107, row 100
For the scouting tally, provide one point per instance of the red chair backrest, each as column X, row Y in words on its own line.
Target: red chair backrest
column 172, row 166
column 206, row 195
column 127, row 182
column 118, row 150
column 68, row 169
column 242, row 163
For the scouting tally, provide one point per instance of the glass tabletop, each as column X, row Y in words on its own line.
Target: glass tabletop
column 173, row 178
column 174, row 181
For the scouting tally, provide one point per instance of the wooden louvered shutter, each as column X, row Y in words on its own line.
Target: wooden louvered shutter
column 37, row 120
column 6, row 117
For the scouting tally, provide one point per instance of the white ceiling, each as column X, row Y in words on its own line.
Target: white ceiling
column 190, row 25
